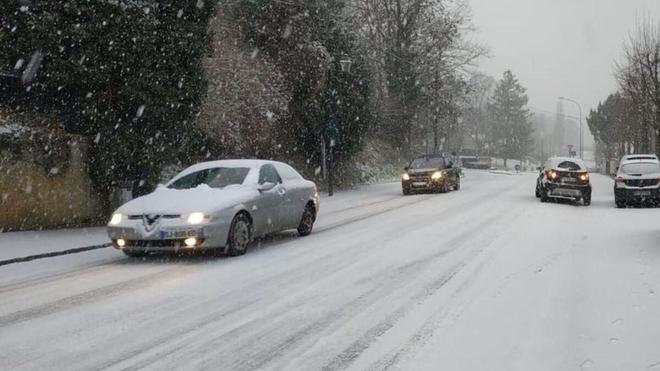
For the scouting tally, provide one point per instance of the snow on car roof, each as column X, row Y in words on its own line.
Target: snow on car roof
column 224, row 163
column 554, row 162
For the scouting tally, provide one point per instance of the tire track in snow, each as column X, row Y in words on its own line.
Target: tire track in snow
column 101, row 293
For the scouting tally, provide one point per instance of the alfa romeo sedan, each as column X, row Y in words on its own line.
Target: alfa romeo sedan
column 430, row 173
column 637, row 182
column 564, row 178
column 220, row 205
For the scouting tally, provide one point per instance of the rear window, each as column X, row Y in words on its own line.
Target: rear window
column 641, row 168
column 218, row 177
column 428, row 163
column 569, row 165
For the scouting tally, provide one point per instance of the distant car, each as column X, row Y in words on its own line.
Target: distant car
column 430, row 173
column 638, row 157
column 564, row 178
column 637, row 182
column 220, row 205
column 473, row 162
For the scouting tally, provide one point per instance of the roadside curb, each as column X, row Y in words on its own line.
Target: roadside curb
column 54, row 254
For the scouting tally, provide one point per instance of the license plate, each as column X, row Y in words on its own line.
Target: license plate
column 642, row 193
column 568, row 180
column 180, row 234
column 419, row 184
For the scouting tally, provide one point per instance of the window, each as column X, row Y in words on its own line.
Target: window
column 268, row 174
column 569, row 165
column 219, row 177
column 641, row 168
column 287, row 172
column 428, row 163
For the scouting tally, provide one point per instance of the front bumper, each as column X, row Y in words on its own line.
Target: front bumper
column 427, row 185
column 637, row 194
column 168, row 237
column 559, row 190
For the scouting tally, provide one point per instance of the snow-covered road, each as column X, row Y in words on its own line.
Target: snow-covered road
column 486, row 278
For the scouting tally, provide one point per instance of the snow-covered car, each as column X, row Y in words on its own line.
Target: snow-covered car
column 637, row 182
column 564, row 178
column 433, row 173
column 219, row 205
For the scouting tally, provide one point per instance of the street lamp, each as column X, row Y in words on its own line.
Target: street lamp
column 580, row 108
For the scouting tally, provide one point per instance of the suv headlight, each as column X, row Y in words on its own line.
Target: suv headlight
column 405, row 176
column 437, row 175
column 116, row 219
column 196, row 218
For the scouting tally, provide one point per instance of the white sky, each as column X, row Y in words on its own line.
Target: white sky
column 558, row 47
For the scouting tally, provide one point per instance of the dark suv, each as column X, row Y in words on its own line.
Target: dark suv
column 564, row 178
column 433, row 173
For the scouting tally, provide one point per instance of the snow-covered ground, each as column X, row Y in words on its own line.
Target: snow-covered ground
column 486, row 278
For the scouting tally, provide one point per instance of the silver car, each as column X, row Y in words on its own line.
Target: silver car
column 220, row 205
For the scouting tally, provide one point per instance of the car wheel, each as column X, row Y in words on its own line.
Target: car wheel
column 586, row 199
column 544, row 197
column 537, row 192
column 619, row 204
column 406, row 191
column 307, row 221
column 457, row 186
column 135, row 254
column 239, row 235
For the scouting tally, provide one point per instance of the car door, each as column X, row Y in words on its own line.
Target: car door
column 296, row 196
column 271, row 200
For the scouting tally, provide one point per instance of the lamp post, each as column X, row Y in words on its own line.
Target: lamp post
column 580, row 108
column 332, row 131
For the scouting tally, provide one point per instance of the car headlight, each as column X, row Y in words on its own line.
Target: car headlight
column 437, row 175
column 196, row 218
column 405, row 176
column 116, row 219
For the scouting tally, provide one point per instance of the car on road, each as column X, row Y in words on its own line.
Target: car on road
column 430, row 173
column 637, row 182
column 220, row 206
column 564, row 178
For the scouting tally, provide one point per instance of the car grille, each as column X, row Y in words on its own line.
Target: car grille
column 641, row 182
column 140, row 217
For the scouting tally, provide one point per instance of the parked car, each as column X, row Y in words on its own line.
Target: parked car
column 564, row 178
column 473, row 162
column 430, row 173
column 637, row 182
column 220, row 205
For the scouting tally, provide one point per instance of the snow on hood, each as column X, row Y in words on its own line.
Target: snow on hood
column 165, row 201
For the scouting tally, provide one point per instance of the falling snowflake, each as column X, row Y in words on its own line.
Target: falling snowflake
column 140, row 111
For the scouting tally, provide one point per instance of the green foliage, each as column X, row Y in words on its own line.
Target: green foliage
column 511, row 131
column 126, row 74
column 307, row 40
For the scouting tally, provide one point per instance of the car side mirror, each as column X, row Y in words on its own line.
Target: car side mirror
column 540, row 169
column 406, row 168
column 265, row 187
column 450, row 165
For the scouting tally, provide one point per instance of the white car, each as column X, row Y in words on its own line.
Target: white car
column 637, row 182
column 221, row 205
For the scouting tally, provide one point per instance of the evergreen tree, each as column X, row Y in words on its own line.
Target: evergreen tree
column 128, row 75
column 511, row 131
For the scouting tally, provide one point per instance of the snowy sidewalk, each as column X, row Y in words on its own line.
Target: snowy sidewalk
column 19, row 245
column 15, row 245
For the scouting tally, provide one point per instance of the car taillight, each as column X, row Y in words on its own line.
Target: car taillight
column 619, row 181
column 551, row 174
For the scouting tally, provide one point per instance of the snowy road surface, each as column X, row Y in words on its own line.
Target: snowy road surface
column 486, row 278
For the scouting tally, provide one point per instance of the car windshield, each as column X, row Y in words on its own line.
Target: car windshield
column 428, row 163
column 219, row 177
column 641, row 168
